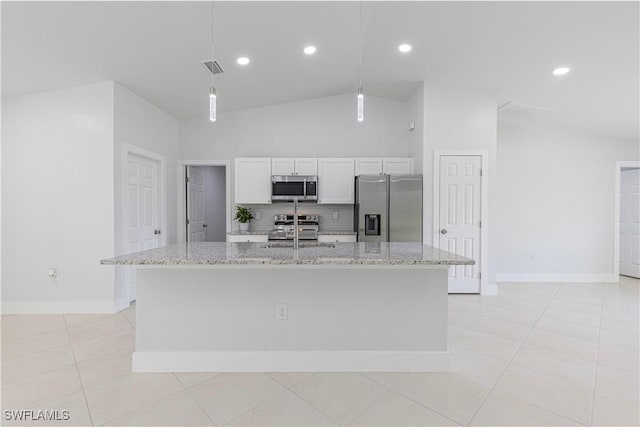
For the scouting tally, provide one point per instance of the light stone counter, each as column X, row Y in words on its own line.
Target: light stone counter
column 279, row 253
column 320, row 233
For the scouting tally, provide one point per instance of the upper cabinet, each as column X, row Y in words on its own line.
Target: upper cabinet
column 397, row 165
column 306, row 166
column 282, row 166
column 368, row 166
column 336, row 180
column 335, row 175
column 253, row 180
column 291, row 166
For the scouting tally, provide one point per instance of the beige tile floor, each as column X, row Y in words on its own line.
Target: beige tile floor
column 535, row 355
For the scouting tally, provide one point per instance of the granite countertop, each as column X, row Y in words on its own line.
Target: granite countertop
column 263, row 233
column 220, row 253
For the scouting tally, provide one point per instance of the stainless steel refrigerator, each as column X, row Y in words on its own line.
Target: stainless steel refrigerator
column 389, row 208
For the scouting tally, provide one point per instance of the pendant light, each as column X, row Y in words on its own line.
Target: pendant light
column 360, row 91
column 212, row 90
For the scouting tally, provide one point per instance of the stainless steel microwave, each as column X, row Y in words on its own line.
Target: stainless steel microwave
column 286, row 188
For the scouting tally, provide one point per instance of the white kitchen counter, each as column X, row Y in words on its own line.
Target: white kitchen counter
column 349, row 307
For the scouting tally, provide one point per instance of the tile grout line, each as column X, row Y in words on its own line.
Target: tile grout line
column 186, row 389
column 428, row 408
column 260, row 404
column 143, row 407
column 131, row 307
column 595, row 373
column 38, row 373
column 387, row 391
column 305, row 400
column 84, row 395
column 475, row 414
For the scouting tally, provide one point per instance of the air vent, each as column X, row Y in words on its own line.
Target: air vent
column 213, row 66
column 522, row 111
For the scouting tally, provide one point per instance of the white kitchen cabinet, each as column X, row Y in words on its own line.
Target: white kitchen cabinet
column 368, row 165
column 252, row 180
column 236, row 238
column 337, row 238
column 336, row 183
column 306, row 166
column 283, row 166
column 397, row 165
column 292, row 166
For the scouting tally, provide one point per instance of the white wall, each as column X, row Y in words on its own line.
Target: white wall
column 315, row 128
column 416, row 136
column 141, row 124
column 456, row 118
column 58, row 198
column 556, row 200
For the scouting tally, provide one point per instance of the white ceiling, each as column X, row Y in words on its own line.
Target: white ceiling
column 510, row 48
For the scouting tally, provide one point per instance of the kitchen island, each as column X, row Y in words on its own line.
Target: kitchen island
column 260, row 307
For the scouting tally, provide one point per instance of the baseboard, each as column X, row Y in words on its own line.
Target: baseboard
column 57, row 307
column 554, row 278
column 291, row 361
column 490, row 289
column 121, row 304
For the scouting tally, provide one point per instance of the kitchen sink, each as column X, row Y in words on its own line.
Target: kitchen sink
column 275, row 245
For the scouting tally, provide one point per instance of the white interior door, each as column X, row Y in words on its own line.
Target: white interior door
column 459, row 220
column 143, row 210
column 195, row 205
column 630, row 223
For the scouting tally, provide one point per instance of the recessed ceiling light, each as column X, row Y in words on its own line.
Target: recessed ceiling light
column 561, row 71
column 404, row 48
column 243, row 60
column 310, row 50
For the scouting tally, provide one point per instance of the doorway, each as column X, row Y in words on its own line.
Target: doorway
column 629, row 219
column 459, row 208
column 204, row 201
column 143, row 220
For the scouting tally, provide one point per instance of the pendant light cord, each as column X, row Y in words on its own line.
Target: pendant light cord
column 212, row 57
column 361, row 47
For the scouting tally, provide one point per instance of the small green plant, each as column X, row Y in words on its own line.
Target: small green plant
column 243, row 215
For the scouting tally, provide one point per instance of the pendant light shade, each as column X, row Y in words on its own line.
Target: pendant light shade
column 360, row 92
column 212, row 104
column 360, row 102
column 213, row 96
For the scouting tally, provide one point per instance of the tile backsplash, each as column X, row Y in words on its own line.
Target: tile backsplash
column 344, row 222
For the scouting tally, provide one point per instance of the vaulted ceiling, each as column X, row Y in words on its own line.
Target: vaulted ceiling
column 508, row 48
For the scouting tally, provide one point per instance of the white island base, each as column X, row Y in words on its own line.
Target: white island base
column 222, row 318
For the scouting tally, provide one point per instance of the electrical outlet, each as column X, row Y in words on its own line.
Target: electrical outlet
column 334, row 214
column 282, row 311
column 258, row 216
column 53, row 273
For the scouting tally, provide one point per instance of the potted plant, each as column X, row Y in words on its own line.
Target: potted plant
column 243, row 216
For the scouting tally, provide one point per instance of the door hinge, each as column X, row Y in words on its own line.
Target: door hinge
column 187, row 221
column 187, row 179
column 480, row 172
column 480, row 275
column 480, row 223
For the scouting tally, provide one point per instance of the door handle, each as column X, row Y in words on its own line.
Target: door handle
column 443, row 231
column 156, row 231
column 204, row 225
